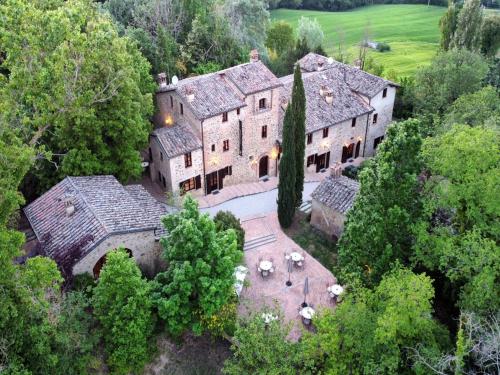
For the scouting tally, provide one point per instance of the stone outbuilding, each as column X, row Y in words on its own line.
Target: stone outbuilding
column 79, row 220
column 331, row 201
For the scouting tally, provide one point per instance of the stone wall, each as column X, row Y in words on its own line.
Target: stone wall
column 145, row 250
column 157, row 165
column 180, row 173
column 326, row 219
column 339, row 135
column 383, row 108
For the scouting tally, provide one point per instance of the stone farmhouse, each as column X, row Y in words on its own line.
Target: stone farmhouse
column 225, row 128
column 79, row 220
column 331, row 201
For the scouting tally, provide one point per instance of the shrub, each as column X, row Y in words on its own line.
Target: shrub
column 383, row 47
column 225, row 220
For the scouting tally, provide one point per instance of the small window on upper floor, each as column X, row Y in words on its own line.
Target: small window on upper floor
column 353, row 124
column 213, row 148
column 375, row 118
column 384, row 93
column 171, row 102
column 224, row 117
column 187, row 160
column 237, row 111
column 182, row 109
column 262, row 103
column 161, row 156
column 309, row 138
column 225, row 145
column 264, row 131
column 325, row 132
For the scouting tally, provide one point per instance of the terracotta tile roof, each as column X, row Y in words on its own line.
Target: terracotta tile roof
column 337, row 193
column 320, row 114
column 358, row 80
column 102, row 207
column 252, row 77
column 177, row 139
column 224, row 91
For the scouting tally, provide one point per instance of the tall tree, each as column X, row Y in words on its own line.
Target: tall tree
column 310, row 30
column 287, row 172
column 122, row 304
column 371, row 332
column 280, row 37
column 490, row 34
column 378, row 230
column 299, row 130
column 199, row 279
column 448, row 25
column 469, row 23
column 76, row 90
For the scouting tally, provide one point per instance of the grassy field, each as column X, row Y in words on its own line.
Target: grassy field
column 411, row 30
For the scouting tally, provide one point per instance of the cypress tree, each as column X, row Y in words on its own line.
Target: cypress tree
column 286, row 185
column 299, row 130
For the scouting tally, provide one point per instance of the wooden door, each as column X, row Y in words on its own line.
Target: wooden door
column 263, row 166
column 212, row 182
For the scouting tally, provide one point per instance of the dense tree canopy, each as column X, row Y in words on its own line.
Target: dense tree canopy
column 122, row 304
column 310, row 30
column 199, row 279
column 280, row 37
column 76, row 90
column 378, row 230
column 467, row 34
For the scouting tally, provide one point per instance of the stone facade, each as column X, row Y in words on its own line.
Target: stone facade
column 237, row 114
column 144, row 246
column 326, row 219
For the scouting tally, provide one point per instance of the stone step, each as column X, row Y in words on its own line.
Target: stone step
column 260, row 241
column 306, row 207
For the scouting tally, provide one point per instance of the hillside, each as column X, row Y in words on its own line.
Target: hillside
column 411, row 30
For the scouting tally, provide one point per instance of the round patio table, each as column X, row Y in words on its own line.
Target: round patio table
column 307, row 313
column 265, row 265
column 336, row 289
column 296, row 257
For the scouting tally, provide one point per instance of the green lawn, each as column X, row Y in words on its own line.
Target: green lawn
column 411, row 30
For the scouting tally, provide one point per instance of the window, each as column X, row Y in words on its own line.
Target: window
column 309, row 138
column 240, row 126
column 224, row 117
column 384, row 93
column 161, row 156
column 375, row 118
column 150, row 154
column 238, row 111
column 377, row 141
column 262, row 103
column 190, row 184
column 187, row 160
column 264, row 131
column 171, row 102
column 325, row 132
column 182, row 109
column 353, row 124
column 310, row 160
column 225, row 145
column 213, row 148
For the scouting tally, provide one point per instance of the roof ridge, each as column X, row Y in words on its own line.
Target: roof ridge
column 91, row 208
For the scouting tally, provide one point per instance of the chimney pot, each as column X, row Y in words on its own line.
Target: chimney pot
column 254, row 56
column 329, row 97
column 320, row 66
column 189, row 94
column 69, row 206
column 162, row 80
column 322, row 90
column 336, row 170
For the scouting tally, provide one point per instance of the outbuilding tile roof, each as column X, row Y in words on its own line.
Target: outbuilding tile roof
column 252, row 77
column 337, row 193
column 319, row 114
column 358, row 80
column 177, row 139
column 102, row 207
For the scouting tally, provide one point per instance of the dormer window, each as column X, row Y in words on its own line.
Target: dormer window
column 262, row 103
column 224, row 117
column 384, row 93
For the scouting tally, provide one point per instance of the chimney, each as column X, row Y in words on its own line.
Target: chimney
column 254, row 56
column 320, row 66
column 329, row 96
column 162, row 80
column 322, row 90
column 189, row 94
column 336, row 170
column 69, row 206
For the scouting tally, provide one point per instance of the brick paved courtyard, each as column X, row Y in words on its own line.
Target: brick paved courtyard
column 273, row 290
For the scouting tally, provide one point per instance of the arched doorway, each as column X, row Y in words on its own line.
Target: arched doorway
column 102, row 261
column 263, row 166
column 347, row 152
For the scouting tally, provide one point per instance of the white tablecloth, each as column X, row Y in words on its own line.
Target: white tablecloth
column 265, row 265
column 296, row 257
column 307, row 312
